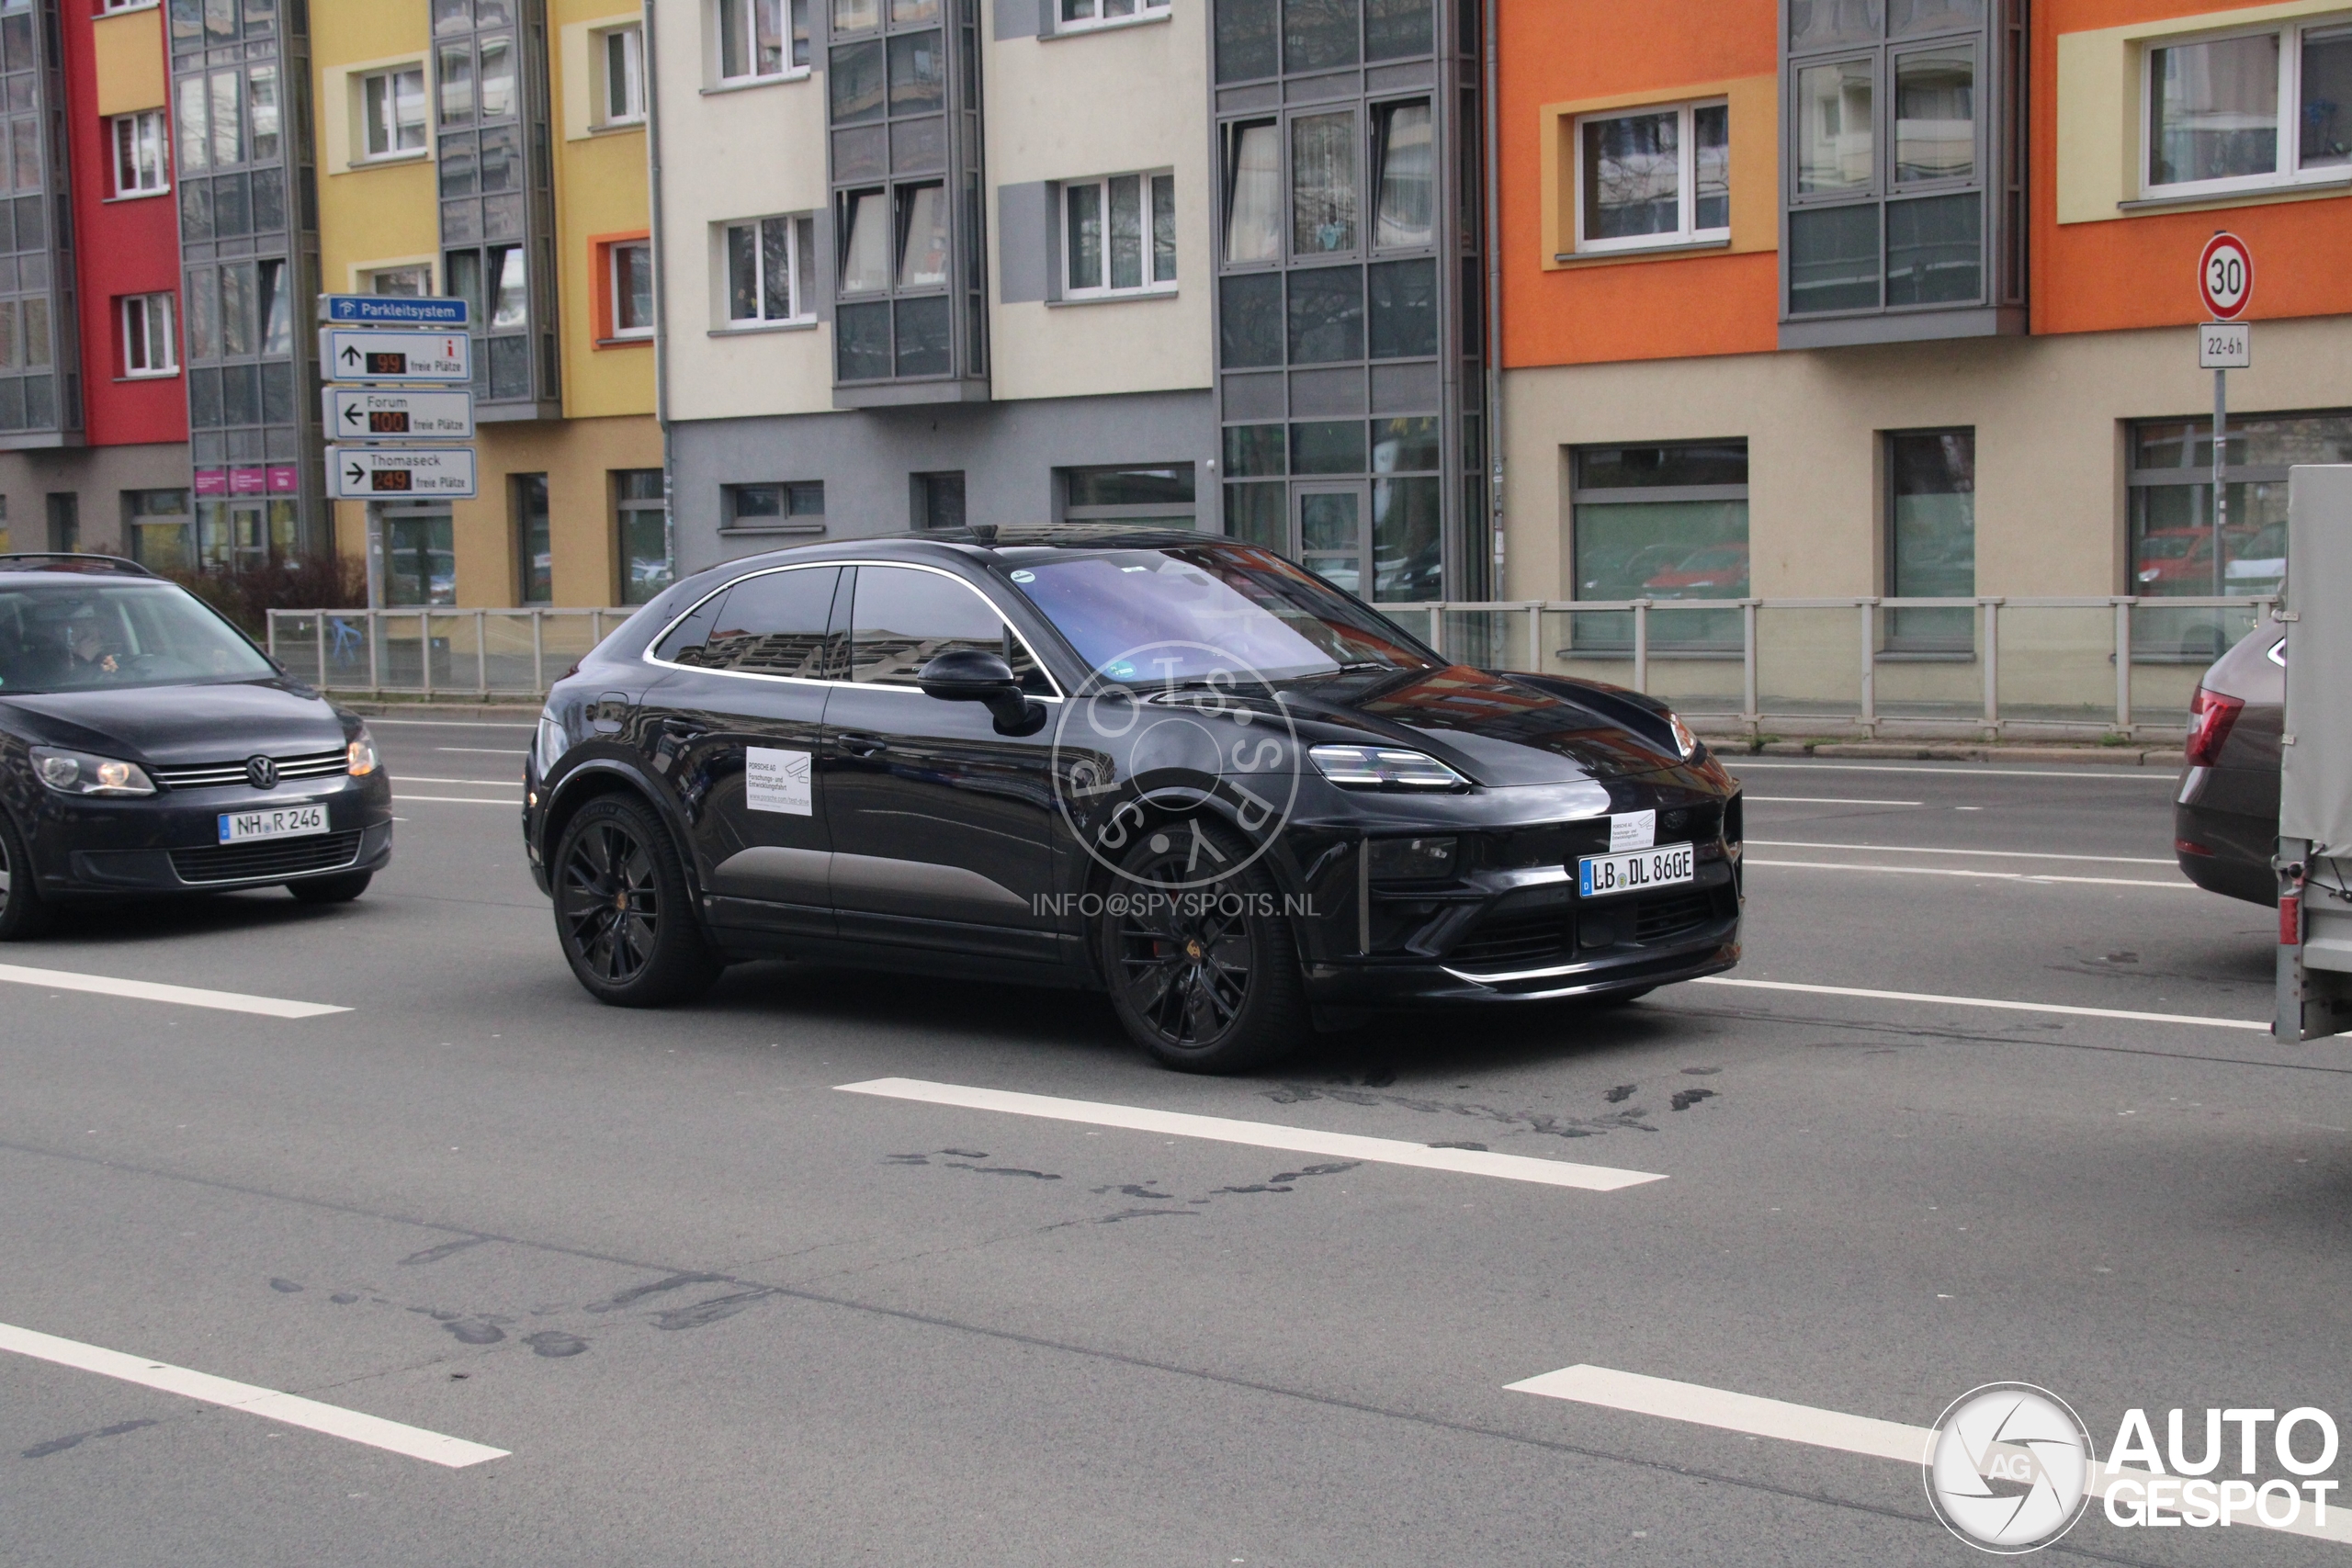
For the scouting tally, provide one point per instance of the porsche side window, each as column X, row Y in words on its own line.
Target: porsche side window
column 771, row 624
column 906, row 618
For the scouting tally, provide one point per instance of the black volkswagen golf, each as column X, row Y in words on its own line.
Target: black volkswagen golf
column 147, row 747
column 1174, row 768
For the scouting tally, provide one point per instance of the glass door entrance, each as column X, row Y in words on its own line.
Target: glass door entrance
column 1330, row 533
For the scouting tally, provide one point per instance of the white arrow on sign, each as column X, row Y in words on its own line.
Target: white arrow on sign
column 389, row 473
column 359, row 355
column 360, row 414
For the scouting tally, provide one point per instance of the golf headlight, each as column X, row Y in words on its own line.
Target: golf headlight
column 552, row 743
column 1381, row 767
column 1682, row 736
column 362, row 752
column 78, row 773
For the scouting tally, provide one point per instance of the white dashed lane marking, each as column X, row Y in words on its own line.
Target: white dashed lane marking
column 2059, row 1009
column 149, row 991
column 1260, row 1134
column 268, row 1403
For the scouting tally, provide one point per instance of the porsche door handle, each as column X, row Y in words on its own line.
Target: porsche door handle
column 862, row 745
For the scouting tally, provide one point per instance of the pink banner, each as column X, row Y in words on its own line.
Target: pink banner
column 211, row 481
column 248, row 481
column 285, row 480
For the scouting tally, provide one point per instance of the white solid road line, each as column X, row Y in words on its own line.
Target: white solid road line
column 149, row 991
column 1985, row 854
column 1823, row 800
column 480, row 783
column 1260, row 1134
column 1979, row 875
column 1744, row 1413
column 295, row 1411
column 1955, row 770
column 459, row 799
column 531, row 723
column 2059, row 1009
column 484, row 751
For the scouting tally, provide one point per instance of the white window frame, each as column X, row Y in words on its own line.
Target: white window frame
column 141, row 338
column 1686, row 231
column 1103, row 291
column 109, row 7
column 800, row 229
column 148, row 126
column 612, row 284
column 1094, row 19
column 367, row 280
column 2289, row 172
column 631, row 41
column 756, row 77
column 368, row 126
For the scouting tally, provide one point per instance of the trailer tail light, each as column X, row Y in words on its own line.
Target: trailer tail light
column 2290, row 921
column 2210, row 715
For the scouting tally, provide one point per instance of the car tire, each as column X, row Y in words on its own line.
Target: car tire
column 624, row 915
column 24, row 913
column 332, row 889
column 1200, row 988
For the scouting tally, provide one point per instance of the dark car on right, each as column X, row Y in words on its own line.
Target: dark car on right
column 2225, row 818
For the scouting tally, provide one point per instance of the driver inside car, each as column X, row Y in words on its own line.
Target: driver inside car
column 91, row 655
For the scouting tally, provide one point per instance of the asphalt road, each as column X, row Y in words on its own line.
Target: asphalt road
column 719, row 1312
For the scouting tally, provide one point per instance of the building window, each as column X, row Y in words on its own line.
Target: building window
column 1903, row 166
column 1157, row 493
column 125, row 4
column 628, row 269
column 392, row 111
column 534, row 543
column 1079, row 15
column 773, row 508
column 762, row 39
column 1665, row 522
column 771, row 271
column 160, row 529
column 139, row 165
column 149, row 346
column 642, row 526
column 937, row 501
column 1656, row 178
column 2250, row 109
column 621, row 82
column 411, row 282
column 1932, row 538
column 1119, row 236
column 419, row 555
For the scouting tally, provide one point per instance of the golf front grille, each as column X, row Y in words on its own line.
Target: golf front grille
column 267, row 860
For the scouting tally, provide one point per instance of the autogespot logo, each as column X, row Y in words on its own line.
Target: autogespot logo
column 1176, row 766
column 2009, row 1469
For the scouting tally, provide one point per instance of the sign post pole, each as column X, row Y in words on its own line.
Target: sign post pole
column 2225, row 283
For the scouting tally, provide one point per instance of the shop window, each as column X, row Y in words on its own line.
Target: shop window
column 1663, row 522
column 641, row 528
column 1932, row 538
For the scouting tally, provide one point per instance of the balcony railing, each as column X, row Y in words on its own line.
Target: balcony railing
column 437, row 652
column 1810, row 666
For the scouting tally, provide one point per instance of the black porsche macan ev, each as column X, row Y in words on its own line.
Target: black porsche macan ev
column 1175, row 768
column 148, row 748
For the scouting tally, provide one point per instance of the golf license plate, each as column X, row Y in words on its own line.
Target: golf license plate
column 276, row 822
column 1598, row 876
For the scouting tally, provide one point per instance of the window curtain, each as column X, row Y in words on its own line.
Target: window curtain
column 1253, row 215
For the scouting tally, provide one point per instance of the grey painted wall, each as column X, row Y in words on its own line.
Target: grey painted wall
column 1025, row 229
column 98, row 475
column 1019, row 18
column 1008, row 452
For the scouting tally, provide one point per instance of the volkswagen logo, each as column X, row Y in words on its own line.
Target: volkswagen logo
column 2009, row 1469
column 261, row 773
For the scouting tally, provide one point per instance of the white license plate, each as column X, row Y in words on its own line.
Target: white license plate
column 1598, row 876
column 278, row 822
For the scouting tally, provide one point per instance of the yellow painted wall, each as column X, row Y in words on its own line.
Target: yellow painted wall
column 578, row 457
column 128, row 50
column 601, row 190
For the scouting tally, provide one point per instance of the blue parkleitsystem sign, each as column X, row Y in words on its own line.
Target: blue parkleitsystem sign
column 391, row 311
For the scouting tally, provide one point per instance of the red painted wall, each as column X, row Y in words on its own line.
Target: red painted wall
column 120, row 248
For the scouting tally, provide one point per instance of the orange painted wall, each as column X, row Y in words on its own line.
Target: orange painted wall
column 1558, row 51
column 2142, row 271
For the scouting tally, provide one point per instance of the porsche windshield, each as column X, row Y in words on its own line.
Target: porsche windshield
column 1171, row 615
column 86, row 636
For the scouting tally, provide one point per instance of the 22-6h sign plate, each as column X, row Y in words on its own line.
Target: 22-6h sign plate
column 390, row 473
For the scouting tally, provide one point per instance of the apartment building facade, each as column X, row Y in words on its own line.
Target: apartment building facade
column 1896, row 298
column 927, row 262
column 494, row 151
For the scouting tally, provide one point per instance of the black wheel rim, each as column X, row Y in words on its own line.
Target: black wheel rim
column 611, row 909
column 1185, row 960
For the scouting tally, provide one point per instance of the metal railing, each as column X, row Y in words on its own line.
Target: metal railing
column 2119, row 664
column 437, row 651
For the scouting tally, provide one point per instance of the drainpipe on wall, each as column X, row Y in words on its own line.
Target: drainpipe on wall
column 660, row 293
column 1494, row 304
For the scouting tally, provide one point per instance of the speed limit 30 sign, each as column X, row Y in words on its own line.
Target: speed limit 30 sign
column 2225, row 277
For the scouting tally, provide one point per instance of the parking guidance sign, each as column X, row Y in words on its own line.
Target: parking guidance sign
column 363, row 355
column 388, row 473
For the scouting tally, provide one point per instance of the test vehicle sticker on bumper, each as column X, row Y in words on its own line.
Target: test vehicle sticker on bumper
column 281, row 822
column 1598, row 876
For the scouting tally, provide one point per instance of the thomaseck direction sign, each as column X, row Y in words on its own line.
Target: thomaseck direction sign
column 393, row 473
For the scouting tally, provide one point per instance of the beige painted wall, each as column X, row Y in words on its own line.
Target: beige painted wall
column 2048, row 413
column 1071, row 107
column 128, row 46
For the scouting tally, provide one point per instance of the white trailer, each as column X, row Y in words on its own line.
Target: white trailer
column 2314, row 855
